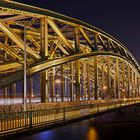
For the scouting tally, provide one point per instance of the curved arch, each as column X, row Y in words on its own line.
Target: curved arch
column 49, row 13
column 57, row 47
column 44, row 65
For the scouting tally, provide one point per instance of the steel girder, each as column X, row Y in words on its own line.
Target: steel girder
column 44, row 65
column 62, row 33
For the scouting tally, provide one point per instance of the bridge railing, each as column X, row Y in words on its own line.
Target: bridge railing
column 29, row 120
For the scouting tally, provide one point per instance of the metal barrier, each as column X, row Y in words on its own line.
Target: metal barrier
column 22, row 121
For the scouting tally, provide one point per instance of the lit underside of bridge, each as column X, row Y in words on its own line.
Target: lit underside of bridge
column 67, row 59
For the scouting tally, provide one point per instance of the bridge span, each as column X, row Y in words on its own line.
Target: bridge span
column 69, row 63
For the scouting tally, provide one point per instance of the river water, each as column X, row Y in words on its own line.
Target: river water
column 118, row 125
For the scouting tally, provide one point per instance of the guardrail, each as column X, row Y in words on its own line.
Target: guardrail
column 22, row 121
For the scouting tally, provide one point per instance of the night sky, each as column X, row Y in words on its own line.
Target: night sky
column 119, row 18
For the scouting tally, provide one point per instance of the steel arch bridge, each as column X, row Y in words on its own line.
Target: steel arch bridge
column 70, row 59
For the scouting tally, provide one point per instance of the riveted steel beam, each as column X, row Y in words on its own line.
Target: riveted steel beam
column 33, row 41
column 86, row 38
column 60, row 34
column 44, row 53
column 18, row 8
column 14, row 18
column 60, row 47
column 14, row 37
column 8, row 66
column 102, row 42
column 7, row 80
column 11, row 53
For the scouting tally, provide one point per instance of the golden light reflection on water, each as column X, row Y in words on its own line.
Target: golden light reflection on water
column 92, row 134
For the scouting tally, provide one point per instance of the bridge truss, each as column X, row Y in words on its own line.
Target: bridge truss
column 67, row 59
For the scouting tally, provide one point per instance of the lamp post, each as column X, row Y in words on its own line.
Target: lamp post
column 25, row 73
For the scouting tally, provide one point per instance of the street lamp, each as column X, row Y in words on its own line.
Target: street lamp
column 25, row 73
column 123, row 90
column 104, row 90
column 57, row 81
column 57, row 97
column 104, row 87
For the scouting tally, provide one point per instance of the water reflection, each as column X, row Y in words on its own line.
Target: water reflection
column 111, row 126
column 92, row 134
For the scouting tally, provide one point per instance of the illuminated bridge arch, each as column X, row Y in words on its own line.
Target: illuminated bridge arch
column 69, row 59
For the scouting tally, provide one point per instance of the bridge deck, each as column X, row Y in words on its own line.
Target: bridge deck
column 11, row 123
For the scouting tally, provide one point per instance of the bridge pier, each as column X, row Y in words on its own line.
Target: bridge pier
column 123, row 92
column 77, row 80
column 84, row 80
column 88, row 81
column 52, row 84
column 71, row 82
column 62, row 84
column 128, row 83
column 117, row 80
column 30, row 80
column 95, row 77
column 108, row 78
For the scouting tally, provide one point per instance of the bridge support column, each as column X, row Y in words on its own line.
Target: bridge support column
column 10, row 94
column 13, row 91
column 30, row 88
column 95, row 77
column 6, row 88
column 135, row 84
column 71, row 81
column 102, row 83
column 139, row 87
column 77, row 76
column 44, row 87
column 5, row 94
column 123, row 80
column 132, row 83
column 52, row 84
column 44, row 54
column 88, row 81
column 117, row 79
column 62, row 84
column 108, row 77
column 77, row 65
column 84, row 81
column 128, row 90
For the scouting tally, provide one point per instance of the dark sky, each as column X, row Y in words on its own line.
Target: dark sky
column 120, row 18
